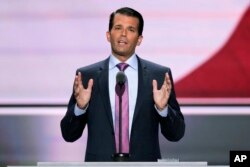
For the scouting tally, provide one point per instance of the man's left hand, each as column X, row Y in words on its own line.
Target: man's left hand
column 162, row 95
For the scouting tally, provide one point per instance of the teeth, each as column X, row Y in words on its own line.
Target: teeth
column 121, row 42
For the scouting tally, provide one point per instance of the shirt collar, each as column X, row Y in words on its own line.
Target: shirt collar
column 132, row 62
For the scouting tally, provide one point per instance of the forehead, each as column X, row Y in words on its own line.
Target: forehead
column 121, row 19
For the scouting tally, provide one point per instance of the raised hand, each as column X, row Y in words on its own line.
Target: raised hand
column 162, row 95
column 81, row 94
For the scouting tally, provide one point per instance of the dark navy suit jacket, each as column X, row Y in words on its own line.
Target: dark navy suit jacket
column 144, row 140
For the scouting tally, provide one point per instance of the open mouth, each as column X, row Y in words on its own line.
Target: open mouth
column 122, row 42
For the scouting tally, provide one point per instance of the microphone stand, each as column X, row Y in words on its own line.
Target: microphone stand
column 120, row 157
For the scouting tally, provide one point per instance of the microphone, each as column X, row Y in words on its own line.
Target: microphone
column 121, row 78
column 120, row 83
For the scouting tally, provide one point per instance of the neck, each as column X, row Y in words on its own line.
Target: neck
column 122, row 58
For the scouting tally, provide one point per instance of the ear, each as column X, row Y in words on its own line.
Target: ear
column 108, row 35
column 139, row 40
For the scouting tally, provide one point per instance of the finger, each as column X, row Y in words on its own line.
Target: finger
column 79, row 78
column 90, row 84
column 168, row 81
column 76, row 88
column 76, row 95
column 154, row 83
column 76, row 82
column 167, row 78
column 79, row 81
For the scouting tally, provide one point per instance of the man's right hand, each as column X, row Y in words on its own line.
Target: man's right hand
column 81, row 94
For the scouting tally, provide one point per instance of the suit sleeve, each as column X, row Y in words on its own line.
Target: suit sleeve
column 173, row 126
column 72, row 126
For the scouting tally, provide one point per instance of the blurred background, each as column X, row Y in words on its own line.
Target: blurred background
column 43, row 42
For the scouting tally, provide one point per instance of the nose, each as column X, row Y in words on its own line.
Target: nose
column 124, row 32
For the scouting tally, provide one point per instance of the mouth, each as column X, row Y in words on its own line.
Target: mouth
column 122, row 42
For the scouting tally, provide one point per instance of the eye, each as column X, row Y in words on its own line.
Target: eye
column 117, row 27
column 131, row 29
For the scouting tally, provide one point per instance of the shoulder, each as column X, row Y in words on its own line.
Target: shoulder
column 93, row 67
column 151, row 66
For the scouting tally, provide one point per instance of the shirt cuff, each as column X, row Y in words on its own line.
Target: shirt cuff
column 164, row 112
column 78, row 111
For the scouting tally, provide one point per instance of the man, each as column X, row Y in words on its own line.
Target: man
column 152, row 100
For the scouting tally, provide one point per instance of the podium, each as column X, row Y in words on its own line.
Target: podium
column 123, row 164
column 160, row 163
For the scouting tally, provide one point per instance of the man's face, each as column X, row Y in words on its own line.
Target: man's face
column 124, row 36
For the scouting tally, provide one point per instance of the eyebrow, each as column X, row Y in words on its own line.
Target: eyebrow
column 119, row 25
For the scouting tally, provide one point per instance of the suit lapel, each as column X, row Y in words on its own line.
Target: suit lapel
column 103, row 84
column 142, row 81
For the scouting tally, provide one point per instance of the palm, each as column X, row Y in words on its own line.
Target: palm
column 161, row 96
column 84, row 97
column 81, row 94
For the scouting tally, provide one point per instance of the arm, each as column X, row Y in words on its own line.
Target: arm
column 71, row 125
column 172, row 126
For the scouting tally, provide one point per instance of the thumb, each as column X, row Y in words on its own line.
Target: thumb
column 90, row 84
column 154, row 83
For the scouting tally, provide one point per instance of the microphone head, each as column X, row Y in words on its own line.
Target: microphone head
column 121, row 78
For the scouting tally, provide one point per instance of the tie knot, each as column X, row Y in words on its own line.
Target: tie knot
column 122, row 66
